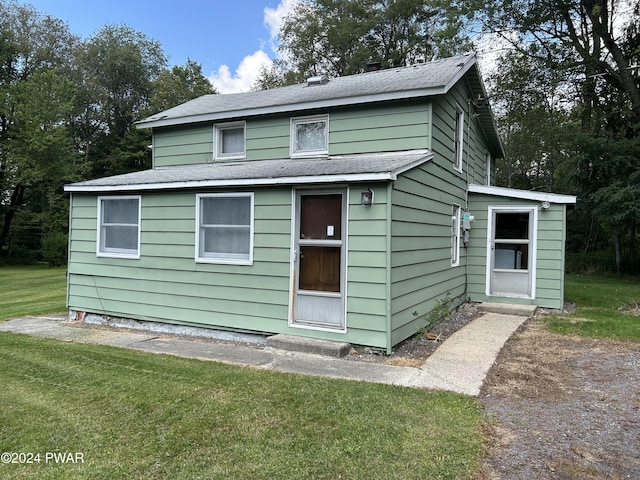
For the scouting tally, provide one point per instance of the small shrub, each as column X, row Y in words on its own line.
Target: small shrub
column 440, row 312
column 54, row 248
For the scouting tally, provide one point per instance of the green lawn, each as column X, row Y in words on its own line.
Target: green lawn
column 138, row 415
column 598, row 298
column 31, row 290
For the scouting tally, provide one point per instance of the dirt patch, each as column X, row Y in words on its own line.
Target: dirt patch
column 415, row 350
column 563, row 407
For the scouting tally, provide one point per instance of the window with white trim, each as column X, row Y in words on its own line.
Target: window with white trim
column 119, row 226
column 224, row 228
column 458, row 142
column 230, row 140
column 456, row 216
column 487, row 168
column 310, row 136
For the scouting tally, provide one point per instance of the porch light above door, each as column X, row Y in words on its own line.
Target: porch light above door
column 366, row 197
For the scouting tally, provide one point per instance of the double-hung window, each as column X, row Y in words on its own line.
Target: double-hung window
column 456, row 211
column 310, row 136
column 230, row 140
column 458, row 141
column 224, row 228
column 119, row 226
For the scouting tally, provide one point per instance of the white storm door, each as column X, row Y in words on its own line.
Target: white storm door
column 319, row 256
column 511, row 252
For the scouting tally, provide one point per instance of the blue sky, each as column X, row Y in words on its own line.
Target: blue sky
column 229, row 38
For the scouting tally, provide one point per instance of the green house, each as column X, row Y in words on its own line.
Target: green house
column 332, row 209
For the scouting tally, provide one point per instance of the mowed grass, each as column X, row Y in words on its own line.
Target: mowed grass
column 598, row 298
column 31, row 290
column 138, row 415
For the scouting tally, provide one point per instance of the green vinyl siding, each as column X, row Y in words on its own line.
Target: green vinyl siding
column 188, row 145
column 380, row 129
column 550, row 252
column 365, row 129
column 166, row 284
column 421, row 271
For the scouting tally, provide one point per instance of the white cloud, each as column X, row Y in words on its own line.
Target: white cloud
column 243, row 78
column 273, row 18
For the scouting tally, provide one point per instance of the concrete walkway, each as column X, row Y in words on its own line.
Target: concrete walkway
column 460, row 364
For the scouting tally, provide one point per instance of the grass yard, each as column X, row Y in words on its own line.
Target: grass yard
column 31, row 290
column 598, row 298
column 137, row 415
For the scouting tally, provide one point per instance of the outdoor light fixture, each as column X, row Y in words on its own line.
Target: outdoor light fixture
column 544, row 205
column 366, row 197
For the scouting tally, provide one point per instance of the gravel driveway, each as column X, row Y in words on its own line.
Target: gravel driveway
column 563, row 407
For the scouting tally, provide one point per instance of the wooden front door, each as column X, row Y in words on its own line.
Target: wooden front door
column 319, row 258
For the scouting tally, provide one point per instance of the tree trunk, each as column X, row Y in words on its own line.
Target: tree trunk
column 618, row 245
column 17, row 197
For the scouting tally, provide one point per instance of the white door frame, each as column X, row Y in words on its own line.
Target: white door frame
column 532, row 210
column 336, row 302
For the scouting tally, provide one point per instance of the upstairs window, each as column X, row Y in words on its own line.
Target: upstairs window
column 119, row 227
column 458, row 141
column 224, row 228
column 310, row 136
column 230, row 140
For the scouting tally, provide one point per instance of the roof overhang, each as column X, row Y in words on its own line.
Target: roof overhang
column 376, row 167
column 158, row 121
column 522, row 194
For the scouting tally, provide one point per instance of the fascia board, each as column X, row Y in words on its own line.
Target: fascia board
column 359, row 177
column 522, row 194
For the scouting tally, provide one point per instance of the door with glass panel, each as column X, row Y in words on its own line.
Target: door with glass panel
column 512, row 252
column 319, row 257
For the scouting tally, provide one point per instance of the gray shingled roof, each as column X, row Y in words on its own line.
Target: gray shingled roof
column 425, row 79
column 348, row 168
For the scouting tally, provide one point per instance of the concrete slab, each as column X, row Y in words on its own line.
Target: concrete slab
column 460, row 364
column 294, row 343
column 507, row 308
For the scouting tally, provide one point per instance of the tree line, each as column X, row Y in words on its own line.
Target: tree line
column 67, row 108
column 564, row 86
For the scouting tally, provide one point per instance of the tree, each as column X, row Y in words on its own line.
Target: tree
column 178, row 85
column 38, row 150
column 115, row 71
column 35, row 148
column 339, row 37
column 584, row 52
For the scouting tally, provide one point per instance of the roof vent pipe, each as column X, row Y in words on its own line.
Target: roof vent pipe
column 317, row 80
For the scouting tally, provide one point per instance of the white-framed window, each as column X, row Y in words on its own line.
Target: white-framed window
column 310, row 136
column 487, row 168
column 230, row 140
column 119, row 226
column 456, row 217
column 458, row 141
column 224, row 228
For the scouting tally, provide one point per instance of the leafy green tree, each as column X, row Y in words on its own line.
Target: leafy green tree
column 178, row 85
column 38, row 150
column 35, row 147
column 115, row 71
column 339, row 37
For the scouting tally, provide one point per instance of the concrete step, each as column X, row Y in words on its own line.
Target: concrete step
column 294, row 343
column 507, row 309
